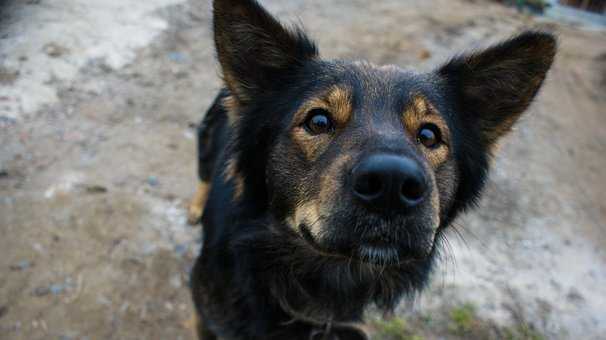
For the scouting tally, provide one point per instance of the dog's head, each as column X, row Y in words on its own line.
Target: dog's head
column 361, row 161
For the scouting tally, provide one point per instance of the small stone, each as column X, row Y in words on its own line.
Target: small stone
column 55, row 50
column 181, row 74
column 41, row 291
column 180, row 249
column 96, row 189
column 102, row 300
column 574, row 295
column 175, row 281
column 152, row 181
column 424, row 54
column 3, row 311
column 8, row 76
column 57, row 288
column 177, row 57
column 38, row 247
column 21, row 265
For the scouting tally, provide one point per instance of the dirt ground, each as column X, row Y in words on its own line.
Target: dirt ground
column 98, row 103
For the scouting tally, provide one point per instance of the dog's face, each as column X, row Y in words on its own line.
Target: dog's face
column 361, row 164
column 361, row 161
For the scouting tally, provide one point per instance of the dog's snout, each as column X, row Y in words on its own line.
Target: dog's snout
column 386, row 181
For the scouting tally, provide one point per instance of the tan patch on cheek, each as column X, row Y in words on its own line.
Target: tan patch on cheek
column 435, row 207
column 420, row 112
column 232, row 174
column 446, row 182
column 312, row 146
column 437, row 156
column 434, row 214
column 309, row 214
column 331, row 180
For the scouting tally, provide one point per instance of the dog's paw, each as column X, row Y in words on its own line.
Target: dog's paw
column 194, row 213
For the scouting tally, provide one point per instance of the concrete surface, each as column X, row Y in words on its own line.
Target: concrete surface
column 97, row 105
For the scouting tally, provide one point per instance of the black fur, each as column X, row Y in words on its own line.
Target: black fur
column 257, row 277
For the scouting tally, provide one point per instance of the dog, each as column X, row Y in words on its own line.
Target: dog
column 326, row 186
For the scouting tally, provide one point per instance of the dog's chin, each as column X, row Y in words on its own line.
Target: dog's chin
column 369, row 251
column 378, row 254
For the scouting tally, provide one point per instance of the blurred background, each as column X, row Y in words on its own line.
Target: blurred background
column 99, row 100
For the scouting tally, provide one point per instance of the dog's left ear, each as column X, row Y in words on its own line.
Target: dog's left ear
column 493, row 87
column 255, row 51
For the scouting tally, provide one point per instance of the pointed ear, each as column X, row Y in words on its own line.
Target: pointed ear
column 494, row 87
column 254, row 49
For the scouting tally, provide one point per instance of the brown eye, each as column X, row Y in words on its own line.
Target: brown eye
column 319, row 122
column 429, row 136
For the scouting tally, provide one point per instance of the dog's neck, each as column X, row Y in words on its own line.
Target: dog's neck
column 314, row 287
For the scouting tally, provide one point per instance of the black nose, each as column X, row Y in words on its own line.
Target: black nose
column 389, row 181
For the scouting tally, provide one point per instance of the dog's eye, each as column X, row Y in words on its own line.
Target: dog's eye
column 319, row 122
column 429, row 135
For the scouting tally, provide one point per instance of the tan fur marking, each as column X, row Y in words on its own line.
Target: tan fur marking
column 416, row 113
column 447, row 181
column 308, row 213
column 337, row 101
column 420, row 112
column 196, row 206
column 311, row 146
column 420, row 105
column 311, row 212
column 230, row 104
column 339, row 104
column 232, row 174
column 435, row 204
column 331, row 180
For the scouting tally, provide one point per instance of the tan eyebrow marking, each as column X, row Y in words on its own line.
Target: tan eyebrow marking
column 416, row 111
column 419, row 112
column 339, row 104
column 337, row 101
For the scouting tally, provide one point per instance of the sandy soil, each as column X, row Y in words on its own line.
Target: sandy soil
column 97, row 103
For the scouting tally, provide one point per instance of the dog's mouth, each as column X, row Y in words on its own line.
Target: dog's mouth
column 384, row 251
column 379, row 254
column 390, row 254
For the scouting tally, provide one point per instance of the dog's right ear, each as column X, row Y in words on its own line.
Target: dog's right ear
column 255, row 51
